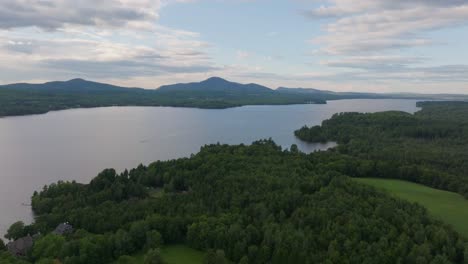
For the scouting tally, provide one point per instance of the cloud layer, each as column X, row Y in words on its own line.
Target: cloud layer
column 375, row 40
column 53, row 14
column 370, row 26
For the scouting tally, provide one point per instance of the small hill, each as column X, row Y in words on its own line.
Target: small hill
column 330, row 95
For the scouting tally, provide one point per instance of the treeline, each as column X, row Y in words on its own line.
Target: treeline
column 245, row 204
column 428, row 147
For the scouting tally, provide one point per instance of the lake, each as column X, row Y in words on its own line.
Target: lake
column 77, row 144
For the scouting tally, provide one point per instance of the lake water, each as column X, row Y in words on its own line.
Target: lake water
column 77, row 144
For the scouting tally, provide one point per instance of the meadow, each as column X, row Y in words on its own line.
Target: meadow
column 180, row 254
column 448, row 207
column 171, row 254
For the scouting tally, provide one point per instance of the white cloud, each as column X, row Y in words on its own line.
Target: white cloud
column 272, row 34
column 53, row 14
column 370, row 41
column 241, row 54
column 377, row 62
column 373, row 26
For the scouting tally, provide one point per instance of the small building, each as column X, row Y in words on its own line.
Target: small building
column 21, row 246
column 63, row 229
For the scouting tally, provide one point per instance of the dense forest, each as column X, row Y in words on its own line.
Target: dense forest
column 429, row 147
column 240, row 204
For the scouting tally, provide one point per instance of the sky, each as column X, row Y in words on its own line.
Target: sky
column 342, row 45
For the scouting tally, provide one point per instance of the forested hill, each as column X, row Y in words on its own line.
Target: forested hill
column 429, row 147
column 24, row 99
column 240, row 204
column 217, row 85
column 74, row 85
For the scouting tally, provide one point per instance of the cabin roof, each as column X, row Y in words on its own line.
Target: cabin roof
column 21, row 246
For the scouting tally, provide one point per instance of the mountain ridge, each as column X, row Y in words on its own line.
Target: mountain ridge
column 215, row 84
column 211, row 84
column 72, row 84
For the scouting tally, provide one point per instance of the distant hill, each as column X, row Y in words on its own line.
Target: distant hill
column 302, row 90
column 79, row 85
column 330, row 95
column 218, row 85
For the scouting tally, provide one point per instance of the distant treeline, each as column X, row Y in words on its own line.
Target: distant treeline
column 429, row 147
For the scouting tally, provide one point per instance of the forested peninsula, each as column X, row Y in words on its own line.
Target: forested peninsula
column 429, row 147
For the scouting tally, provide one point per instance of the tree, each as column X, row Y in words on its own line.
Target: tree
column 7, row 258
column 125, row 259
column 16, row 231
column 122, row 243
column 48, row 246
column 153, row 239
column 244, row 260
column 215, row 257
column 153, row 257
column 2, row 245
column 137, row 233
column 46, row 261
column 294, row 148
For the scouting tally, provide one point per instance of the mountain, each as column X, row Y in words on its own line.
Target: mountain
column 76, row 85
column 218, row 85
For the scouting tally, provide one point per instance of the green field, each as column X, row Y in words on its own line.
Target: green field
column 173, row 254
column 180, row 254
column 449, row 207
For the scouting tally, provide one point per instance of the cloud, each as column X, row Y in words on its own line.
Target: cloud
column 374, row 42
column 105, row 39
column 112, row 54
column 339, row 8
column 272, row 34
column 241, row 54
column 370, row 26
column 374, row 63
column 54, row 14
column 122, row 68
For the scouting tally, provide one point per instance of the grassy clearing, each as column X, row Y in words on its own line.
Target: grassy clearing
column 156, row 192
column 449, row 207
column 180, row 254
column 172, row 254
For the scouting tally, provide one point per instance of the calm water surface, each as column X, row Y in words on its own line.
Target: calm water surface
column 77, row 144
